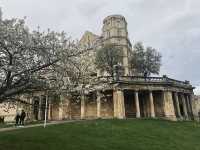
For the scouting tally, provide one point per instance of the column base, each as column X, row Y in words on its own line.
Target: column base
column 186, row 118
column 121, row 117
column 138, row 116
column 171, row 118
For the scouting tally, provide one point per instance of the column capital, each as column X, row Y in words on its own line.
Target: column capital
column 182, row 95
column 118, row 89
column 136, row 90
column 150, row 90
column 99, row 93
column 176, row 94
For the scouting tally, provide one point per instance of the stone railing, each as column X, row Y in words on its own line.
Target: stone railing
column 142, row 79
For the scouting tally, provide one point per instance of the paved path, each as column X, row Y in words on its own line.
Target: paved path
column 36, row 125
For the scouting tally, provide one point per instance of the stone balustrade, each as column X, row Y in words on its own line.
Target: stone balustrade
column 143, row 80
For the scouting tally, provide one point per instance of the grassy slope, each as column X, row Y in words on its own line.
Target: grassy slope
column 106, row 134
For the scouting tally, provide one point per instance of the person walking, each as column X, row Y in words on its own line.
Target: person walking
column 22, row 117
column 17, row 118
column 145, row 75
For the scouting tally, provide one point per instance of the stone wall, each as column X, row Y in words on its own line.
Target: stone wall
column 75, row 110
column 8, row 113
column 55, row 112
column 144, row 104
column 196, row 107
column 158, row 104
column 107, row 108
column 91, row 109
column 8, row 110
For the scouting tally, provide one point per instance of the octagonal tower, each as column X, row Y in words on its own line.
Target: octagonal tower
column 115, row 32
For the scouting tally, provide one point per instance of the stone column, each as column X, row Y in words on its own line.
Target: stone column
column 177, row 105
column 115, row 108
column 190, row 99
column 40, row 107
column 98, row 105
column 168, row 105
column 184, row 106
column 49, row 112
column 121, row 106
column 152, row 111
column 188, row 106
column 82, row 107
column 60, row 113
column 118, row 101
column 115, row 104
column 137, row 104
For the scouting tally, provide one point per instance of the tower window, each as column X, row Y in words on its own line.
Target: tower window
column 119, row 32
column 118, row 23
column 108, row 34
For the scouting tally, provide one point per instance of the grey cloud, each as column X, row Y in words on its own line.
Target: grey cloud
column 171, row 26
column 91, row 8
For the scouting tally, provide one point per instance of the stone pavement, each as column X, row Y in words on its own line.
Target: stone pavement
column 36, row 125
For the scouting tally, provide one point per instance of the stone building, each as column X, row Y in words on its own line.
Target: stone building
column 196, row 107
column 128, row 96
column 114, row 32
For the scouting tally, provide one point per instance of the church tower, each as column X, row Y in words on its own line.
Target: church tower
column 115, row 32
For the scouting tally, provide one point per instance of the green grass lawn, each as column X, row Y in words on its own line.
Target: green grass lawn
column 106, row 135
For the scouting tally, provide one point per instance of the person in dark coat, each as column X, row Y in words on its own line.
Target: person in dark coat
column 22, row 117
column 145, row 75
column 17, row 119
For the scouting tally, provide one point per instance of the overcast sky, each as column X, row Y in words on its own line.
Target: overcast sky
column 170, row 26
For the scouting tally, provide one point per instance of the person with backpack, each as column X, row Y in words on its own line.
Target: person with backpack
column 22, row 117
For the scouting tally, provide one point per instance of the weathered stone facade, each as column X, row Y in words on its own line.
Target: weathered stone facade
column 127, row 97
column 114, row 32
column 196, row 107
column 134, row 98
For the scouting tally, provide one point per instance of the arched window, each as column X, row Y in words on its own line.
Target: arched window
column 119, row 32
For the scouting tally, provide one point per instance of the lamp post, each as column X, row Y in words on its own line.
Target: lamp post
column 45, row 116
column 46, row 102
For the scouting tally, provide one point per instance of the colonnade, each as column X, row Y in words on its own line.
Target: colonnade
column 183, row 100
column 175, row 105
column 172, row 103
column 38, row 107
